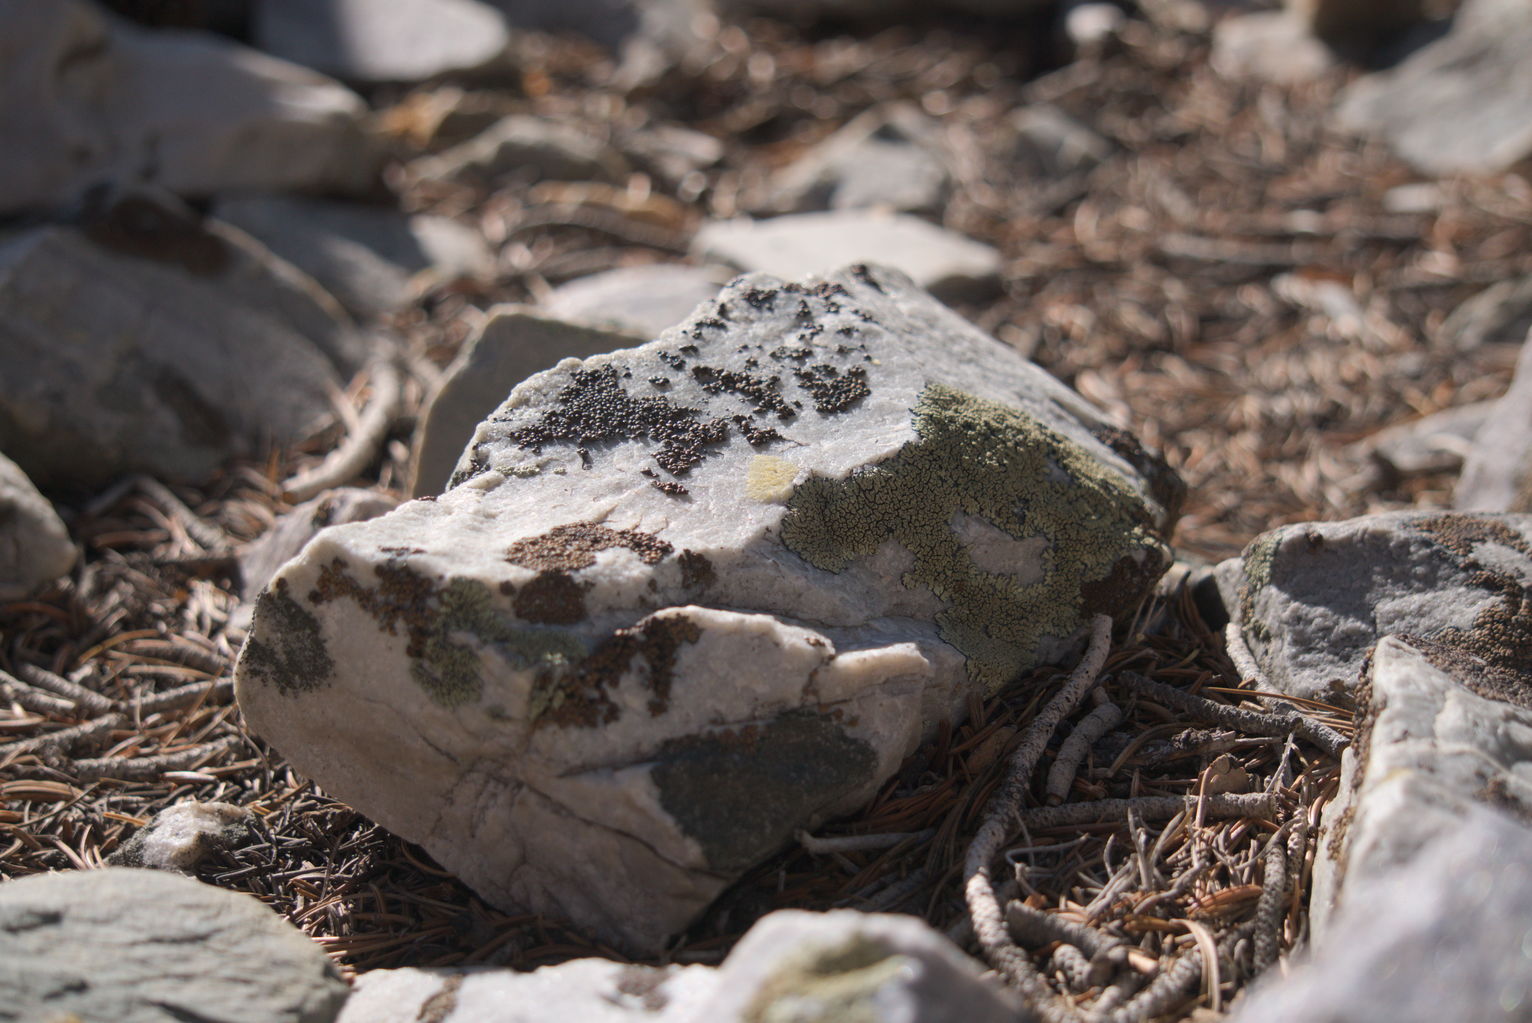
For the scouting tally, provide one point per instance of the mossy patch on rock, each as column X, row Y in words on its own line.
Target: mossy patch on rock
column 827, row 984
column 997, row 463
column 289, row 652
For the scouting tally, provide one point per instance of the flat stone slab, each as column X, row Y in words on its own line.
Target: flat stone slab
column 946, row 264
column 146, row 946
column 1311, row 599
column 638, row 300
column 34, row 544
column 686, row 598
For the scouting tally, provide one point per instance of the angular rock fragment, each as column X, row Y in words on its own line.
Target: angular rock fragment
column 526, row 148
column 188, row 344
column 1271, row 46
column 1051, row 144
column 34, row 545
column 146, row 946
column 943, row 262
column 86, row 99
column 686, row 598
column 1312, row 598
column 1497, row 474
column 885, row 159
column 1433, row 443
column 639, row 300
column 181, row 836
column 1500, row 314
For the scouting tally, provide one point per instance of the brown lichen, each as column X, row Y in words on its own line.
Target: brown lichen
column 580, row 697
column 574, row 546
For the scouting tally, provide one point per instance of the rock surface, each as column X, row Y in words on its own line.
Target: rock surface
column 887, row 158
column 1312, row 598
column 687, row 598
column 526, row 148
column 366, row 256
column 1497, row 474
column 86, row 99
column 34, row 545
column 384, row 40
column 792, row 965
column 1435, row 443
column 946, row 264
column 1461, row 105
column 512, row 345
column 1500, row 314
column 637, row 300
column 181, row 836
column 1271, row 46
column 189, row 344
column 1051, row 144
column 145, row 946
column 1447, row 930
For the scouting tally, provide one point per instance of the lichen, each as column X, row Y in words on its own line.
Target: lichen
column 1258, row 560
column 769, row 479
column 827, row 984
column 577, row 694
column 287, row 649
column 1023, row 477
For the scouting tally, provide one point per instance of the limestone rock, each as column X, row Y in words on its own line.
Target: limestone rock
column 686, row 598
column 671, row 152
column 86, row 99
column 885, row 159
column 942, row 262
column 1461, row 105
column 146, row 946
column 512, row 345
column 1314, row 597
column 1497, row 475
column 181, row 836
column 34, row 545
column 1444, row 934
column 384, row 40
column 1271, row 46
column 637, row 300
column 368, row 257
column 1500, row 314
column 526, row 148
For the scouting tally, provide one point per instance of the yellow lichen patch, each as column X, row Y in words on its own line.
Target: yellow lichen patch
column 770, row 478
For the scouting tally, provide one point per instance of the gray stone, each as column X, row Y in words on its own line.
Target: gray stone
column 1050, row 144
column 1270, row 46
column 34, row 545
column 1314, row 597
column 671, row 152
column 368, row 257
column 1497, row 475
column 526, row 148
column 147, row 946
column 1434, row 443
column 1500, row 314
column 1460, row 105
column 887, row 158
column 85, row 99
column 384, row 40
column 1357, row 20
column 686, row 598
column 637, row 300
column 585, row 990
column 182, row 836
column 1444, row 936
column 512, row 345
column 187, row 344
column 942, row 262
column 846, row 965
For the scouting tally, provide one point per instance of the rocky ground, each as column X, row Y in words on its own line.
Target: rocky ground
column 1240, row 282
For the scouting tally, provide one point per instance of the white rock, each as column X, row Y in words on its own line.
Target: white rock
column 1271, row 46
column 1497, row 475
column 368, row 257
column 512, row 344
column 887, row 158
column 1314, row 597
column 526, row 148
column 1434, row 443
column 181, row 836
column 942, row 262
column 687, row 598
column 1500, row 314
column 1461, row 105
column 637, row 300
column 85, row 99
column 384, row 40
column 34, row 545
column 188, row 344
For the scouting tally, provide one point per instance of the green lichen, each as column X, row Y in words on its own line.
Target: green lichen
column 1002, row 465
column 449, row 668
column 1258, row 559
column 837, row 983
column 288, row 650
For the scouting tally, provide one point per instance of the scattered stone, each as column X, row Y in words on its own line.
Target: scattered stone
column 942, row 262
column 1090, row 24
column 637, row 300
column 1444, row 934
column 182, row 836
column 384, row 40
column 34, row 545
column 671, row 152
column 189, row 344
column 368, row 257
column 1050, row 144
column 1500, row 314
column 86, row 98
column 526, row 148
column 888, row 158
column 792, row 965
column 147, row 946
column 512, row 345
column 1497, row 475
column 1313, row 598
column 1269, row 46
column 1345, row 21
column 1434, row 443
column 685, row 599
column 1460, row 105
